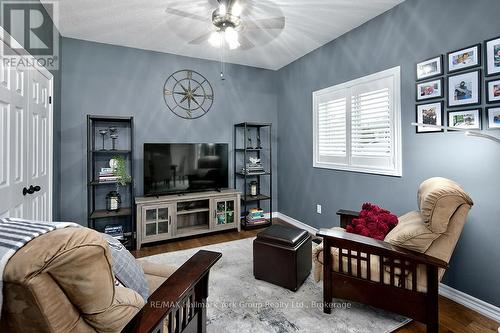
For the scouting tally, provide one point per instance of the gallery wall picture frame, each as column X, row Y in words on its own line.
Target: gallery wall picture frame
column 492, row 91
column 464, row 58
column 492, row 56
column 465, row 119
column 428, row 90
column 430, row 114
column 430, row 68
column 493, row 117
column 464, row 89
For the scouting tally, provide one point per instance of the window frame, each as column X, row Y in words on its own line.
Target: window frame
column 319, row 95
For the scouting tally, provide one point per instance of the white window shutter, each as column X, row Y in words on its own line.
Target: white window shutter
column 357, row 125
column 372, row 134
column 331, row 129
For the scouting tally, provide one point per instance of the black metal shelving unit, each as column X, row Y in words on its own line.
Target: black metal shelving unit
column 248, row 200
column 98, row 216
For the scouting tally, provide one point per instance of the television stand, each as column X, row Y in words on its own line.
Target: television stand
column 189, row 214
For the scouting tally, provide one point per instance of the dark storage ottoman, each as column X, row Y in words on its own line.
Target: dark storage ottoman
column 282, row 256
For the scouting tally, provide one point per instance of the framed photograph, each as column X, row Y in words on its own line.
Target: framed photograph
column 493, row 91
column 465, row 58
column 430, row 89
column 430, row 68
column 493, row 115
column 430, row 114
column 464, row 89
column 465, row 119
column 492, row 52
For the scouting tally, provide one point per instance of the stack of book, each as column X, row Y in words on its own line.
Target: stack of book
column 255, row 216
column 107, row 175
column 115, row 231
column 253, row 169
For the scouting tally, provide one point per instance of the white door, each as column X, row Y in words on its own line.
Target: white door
column 39, row 147
column 13, row 143
column 25, row 143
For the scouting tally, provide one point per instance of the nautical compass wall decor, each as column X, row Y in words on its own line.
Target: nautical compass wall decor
column 188, row 94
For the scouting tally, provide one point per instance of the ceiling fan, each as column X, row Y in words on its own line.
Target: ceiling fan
column 236, row 23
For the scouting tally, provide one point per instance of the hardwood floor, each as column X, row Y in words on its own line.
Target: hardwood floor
column 453, row 317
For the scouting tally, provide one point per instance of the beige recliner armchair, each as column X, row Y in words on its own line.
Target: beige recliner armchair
column 63, row 282
column 401, row 273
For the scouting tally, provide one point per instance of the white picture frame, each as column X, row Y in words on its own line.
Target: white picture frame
column 465, row 119
column 430, row 89
column 492, row 51
column 429, row 114
column 493, row 114
column 430, row 68
column 493, row 91
column 464, row 89
column 465, row 58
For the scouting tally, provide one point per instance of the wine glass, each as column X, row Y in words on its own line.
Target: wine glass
column 103, row 132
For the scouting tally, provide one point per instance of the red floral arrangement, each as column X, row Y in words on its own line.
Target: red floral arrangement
column 373, row 221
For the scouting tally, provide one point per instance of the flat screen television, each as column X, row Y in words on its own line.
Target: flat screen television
column 184, row 167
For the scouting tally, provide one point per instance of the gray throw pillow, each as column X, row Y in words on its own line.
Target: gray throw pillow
column 126, row 269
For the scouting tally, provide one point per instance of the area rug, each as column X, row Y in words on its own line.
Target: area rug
column 238, row 303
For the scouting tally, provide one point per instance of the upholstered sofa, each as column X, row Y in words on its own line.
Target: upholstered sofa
column 63, row 282
column 401, row 273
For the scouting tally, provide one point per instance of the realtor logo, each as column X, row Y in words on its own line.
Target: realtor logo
column 30, row 25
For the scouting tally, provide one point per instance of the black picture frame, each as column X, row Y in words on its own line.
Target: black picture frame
column 479, row 59
column 487, row 72
column 479, row 88
column 488, row 117
column 487, row 91
column 441, row 63
column 442, row 118
column 441, row 95
column 479, row 112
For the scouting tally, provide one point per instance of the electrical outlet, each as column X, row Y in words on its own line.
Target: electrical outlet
column 318, row 209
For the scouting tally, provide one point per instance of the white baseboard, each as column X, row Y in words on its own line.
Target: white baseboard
column 486, row 309
column 295, row 222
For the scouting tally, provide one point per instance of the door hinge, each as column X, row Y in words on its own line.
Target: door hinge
column 50, row 99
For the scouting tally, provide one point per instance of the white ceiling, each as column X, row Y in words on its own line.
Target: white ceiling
column 145, row 24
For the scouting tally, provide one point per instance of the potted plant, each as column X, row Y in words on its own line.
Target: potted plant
column 113, row 198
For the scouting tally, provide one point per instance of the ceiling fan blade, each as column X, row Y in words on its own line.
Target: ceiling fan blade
column 183, row 13
column 200, row 39
column 271, row 23
column 245, row 43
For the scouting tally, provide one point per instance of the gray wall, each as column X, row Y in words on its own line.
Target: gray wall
column 410, row 32
column 111, row 80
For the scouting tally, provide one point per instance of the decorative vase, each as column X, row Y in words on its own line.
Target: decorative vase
column 113, row 201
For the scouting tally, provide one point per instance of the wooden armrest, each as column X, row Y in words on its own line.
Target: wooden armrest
column 364, row 244
column 175, row 288
column 346, row 216
column 348, row 213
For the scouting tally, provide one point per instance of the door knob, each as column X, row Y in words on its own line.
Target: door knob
column 32, row 189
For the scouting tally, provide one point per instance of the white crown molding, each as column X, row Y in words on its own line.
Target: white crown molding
column 473, row 303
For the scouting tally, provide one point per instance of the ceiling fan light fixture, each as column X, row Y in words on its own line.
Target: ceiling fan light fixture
column 215, row 39
column 222, row 9
column 231, row 37
column 236, row 9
